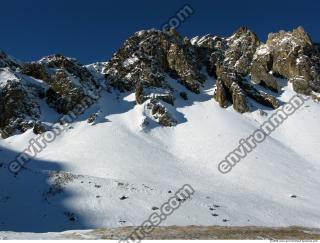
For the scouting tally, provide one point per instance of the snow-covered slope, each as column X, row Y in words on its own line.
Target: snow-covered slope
column 77, row 181
column 164, row 112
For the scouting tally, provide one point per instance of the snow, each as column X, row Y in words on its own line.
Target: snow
column 116, row 157
column 97, row 70
column 262, row 50
column 5, row 75
column 194, row 40
column 140, row 33
column 128, row 62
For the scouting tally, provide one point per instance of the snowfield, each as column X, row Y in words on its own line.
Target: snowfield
column 76, row 183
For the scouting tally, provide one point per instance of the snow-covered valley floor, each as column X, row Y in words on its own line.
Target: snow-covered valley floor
column 78, row 180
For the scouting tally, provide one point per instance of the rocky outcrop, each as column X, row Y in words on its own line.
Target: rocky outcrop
column 233, row 88
column 8, row 62
column 146, row 60
column 150, row 56
column 151, row 63
column 63, row 83
column 291, row 55
column 68, row 81
column 160, row 113
column 18, row 109
column 261, row 68
column 229, row 60
column 241, row 48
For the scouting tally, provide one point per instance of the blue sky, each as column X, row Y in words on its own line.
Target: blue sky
column 93, row 30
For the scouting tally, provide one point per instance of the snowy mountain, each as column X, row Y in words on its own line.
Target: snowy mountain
column 161, row 113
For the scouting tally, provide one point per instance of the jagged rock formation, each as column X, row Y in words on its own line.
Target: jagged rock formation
column 65, row 84
column 160, row 113
column 291, row 55
column 68, row 81
column 18, row 107
column 6, row 61
column 147, row 64
column 148, row 56
column 230, row 61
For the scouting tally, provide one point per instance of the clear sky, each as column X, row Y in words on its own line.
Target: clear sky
column 92, row 30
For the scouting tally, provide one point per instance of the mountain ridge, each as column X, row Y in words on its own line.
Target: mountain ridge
column 241, row 64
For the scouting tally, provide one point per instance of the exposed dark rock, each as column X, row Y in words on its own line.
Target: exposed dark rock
column 92, row 118
column 69, row 82
column 8, row 62
column 160, row 113
column 291, row 55
column 233, row 88
column 18, row 110
column 242, row 46
column 150, row 62
column 183, row 95
column 148, row 56
column 39, row 128
column 261, row 68
column 220, row 94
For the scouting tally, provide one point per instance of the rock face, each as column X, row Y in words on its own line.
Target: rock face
column 241, row 47
column 291, row 55
column 151, row 63
column 18, row 109
column 65, row 83
column 148, row 56
column 230, row 62
column 160, row 113
column 68, row 81
column 6, row 61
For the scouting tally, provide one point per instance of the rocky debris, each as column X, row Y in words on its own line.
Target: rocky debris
column 92, row 117
column 160, row 113
column 68, row 81
column 123, row 197
column 58, row 180
column 39, row 128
